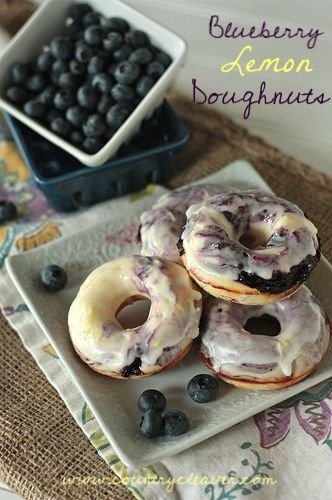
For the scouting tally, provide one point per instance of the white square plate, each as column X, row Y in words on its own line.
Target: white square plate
column 114, row 402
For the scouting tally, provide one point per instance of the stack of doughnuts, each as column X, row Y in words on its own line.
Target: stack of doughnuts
column 211, row 260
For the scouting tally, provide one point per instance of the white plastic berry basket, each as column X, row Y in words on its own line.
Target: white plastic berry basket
column 46, row 23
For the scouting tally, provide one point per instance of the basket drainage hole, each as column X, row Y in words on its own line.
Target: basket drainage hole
column 78, row 199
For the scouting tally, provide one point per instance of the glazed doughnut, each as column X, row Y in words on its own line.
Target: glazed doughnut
column 162, row 225
column 164, row 338
column 249, row 246
column 264, row 362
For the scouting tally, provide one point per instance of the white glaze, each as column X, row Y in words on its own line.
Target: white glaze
column 173, row 318
column 161, row 226
column 303, row 337
column 214, row 227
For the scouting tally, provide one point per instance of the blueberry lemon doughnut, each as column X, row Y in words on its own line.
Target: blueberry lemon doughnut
column 162, row 225
column 164, row 338
column 252, row 361
column 248, row 246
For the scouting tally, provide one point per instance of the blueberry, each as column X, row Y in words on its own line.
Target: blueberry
column 53, row 277
column 35, row 109
column 102, row 82
column 59, row 67
column 96, row 65
column 112, row 41
column 63, row 99
column 163, row 58
column 36, row 83
column 137, row 38
column 69, row 81
column 61, row 127
column 122, row 93
column 62, row 48
column 47, row 95
column 126, row 72
column 51, row 115
column 92, row 144
column 144, row 85
column 16, row 94
column 152, row 424
column 94, row 126
column 141, row 56
column 91, row 18
column 104, row 104
column 155, row 70
column 78, row 10
column 77, row 138
column 83, row 52
column 19, row 73
column 87, row 97
column 116, row 24
column 122, row 53
column 117, row 115
column 202, row 388
column 112, row 68
column 73, row 28
column 45, row 61
column 175, row 423
column 7, row 211
column 76, row 115
column 152, row 399
column 77, row 68
column 93, row 35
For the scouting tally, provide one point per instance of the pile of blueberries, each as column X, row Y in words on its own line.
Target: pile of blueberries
column 86, row 82
column 201, row 388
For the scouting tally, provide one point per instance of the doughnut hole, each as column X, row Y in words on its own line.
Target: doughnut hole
column 254, row 240
column 134, row 312
column 263, row 325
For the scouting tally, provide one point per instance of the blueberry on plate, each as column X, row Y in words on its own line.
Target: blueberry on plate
column 112, row 41
column 202, row 388
column 61, row 127
column 16, row 94
column 77, row 138
column 141, row 56
column 94, row 126
column 137, row 38
column 152, row 424
column 116, row 24
column 53, row 277
column 92, row 144
column 45, row 61
column 69, row 81
column 104, row 105
column 122, row 93
column 151, row 399
column 63, row 99
column 175, row 423
column 102, row 82
column 83, row 52
column 126, row 72
column 96, row 65
column 116, row 115
column 93, row 35
column 122, row 53
column 87, row 97
column 19, row 73
column 62, row 48
column 163, row 58
column 144, row 85
column 78, row 10
column 35, row 109
column 36, row 83
column 8, row 211
column 47, row 95
column 76, row 115
column 155, row 69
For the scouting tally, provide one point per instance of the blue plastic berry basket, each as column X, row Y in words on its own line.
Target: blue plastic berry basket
column 70, row 185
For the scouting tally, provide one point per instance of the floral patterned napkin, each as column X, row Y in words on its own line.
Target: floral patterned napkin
column 283, row 452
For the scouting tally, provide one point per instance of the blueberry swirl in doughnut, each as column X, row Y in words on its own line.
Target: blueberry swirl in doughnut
column 249, row 246
column 162, row 225
column 264, row 362
column 163, row 339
